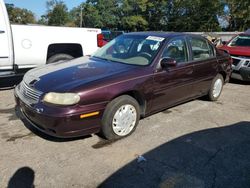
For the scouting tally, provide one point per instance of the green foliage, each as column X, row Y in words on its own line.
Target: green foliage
column 133, row 14
column 142, row 15
column 238, row 15
column 43, row 20
column 97, row 13
column 20, row 16
column 57, row 13
column 196, row 15
column 134, row 23
column 91, row 16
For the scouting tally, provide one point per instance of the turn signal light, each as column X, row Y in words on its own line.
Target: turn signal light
column 89, row 115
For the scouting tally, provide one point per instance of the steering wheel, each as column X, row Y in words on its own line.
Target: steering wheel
column 145, row 54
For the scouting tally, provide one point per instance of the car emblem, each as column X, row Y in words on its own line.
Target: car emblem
column 39, row 110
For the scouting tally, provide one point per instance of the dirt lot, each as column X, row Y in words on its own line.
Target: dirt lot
column 197, row 144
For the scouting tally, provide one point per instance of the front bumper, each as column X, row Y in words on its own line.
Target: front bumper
column 60, row 122
column 241, row 68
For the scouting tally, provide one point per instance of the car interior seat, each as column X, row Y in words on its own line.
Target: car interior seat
column 173, row 52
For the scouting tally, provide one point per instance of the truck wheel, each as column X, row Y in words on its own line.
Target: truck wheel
column 216, row 88
column 59, row 58
column 120, row 118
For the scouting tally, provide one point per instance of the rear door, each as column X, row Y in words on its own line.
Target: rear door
column 5, row 41
column 205, row 64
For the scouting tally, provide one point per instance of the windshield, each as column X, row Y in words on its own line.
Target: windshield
column 131, row 49
column 240, row 41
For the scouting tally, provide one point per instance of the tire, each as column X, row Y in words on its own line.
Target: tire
column 117, row 113
column 59, row 58
column 216, row 88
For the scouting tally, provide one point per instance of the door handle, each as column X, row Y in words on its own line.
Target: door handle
column 2, row 31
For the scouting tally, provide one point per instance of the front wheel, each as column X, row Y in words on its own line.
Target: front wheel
column 216, row 88
column 120, row 118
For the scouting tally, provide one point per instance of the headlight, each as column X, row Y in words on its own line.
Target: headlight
column 62, row 98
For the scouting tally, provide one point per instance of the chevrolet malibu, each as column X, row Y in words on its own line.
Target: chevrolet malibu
column 133, row 76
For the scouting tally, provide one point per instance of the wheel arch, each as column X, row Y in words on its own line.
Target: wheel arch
column 224, row 74
column 73, row 49
column 138, row 97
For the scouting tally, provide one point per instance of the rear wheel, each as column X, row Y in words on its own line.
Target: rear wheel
column 120, row 118
column 216, row 88
column 59, row 58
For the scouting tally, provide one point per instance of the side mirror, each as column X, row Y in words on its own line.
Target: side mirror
column 168, row 62
column 224, row 42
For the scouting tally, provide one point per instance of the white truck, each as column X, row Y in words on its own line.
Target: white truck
column 23, row 47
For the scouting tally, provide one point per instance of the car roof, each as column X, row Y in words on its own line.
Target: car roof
column 162, row 34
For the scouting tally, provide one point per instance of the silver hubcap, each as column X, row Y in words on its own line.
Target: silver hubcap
column 217, row 88
column 124, row 120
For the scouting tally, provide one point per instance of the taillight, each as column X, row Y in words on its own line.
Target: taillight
column 100, row 41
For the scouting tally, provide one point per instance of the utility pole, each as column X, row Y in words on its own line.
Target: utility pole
column 81, row 17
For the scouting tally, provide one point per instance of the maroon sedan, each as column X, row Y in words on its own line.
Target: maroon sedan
column 133, row 76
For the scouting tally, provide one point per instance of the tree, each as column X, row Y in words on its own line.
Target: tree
column 238, row 14
column 107, row 11
column 196, row 15
column 156, row 14
column 57, row 13
column 97, row 13
column 133, row 14
column 43, row 20
column 19, row 15
column 141, row 15
column 91, row 16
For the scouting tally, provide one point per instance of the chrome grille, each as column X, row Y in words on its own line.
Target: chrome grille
column 239, row 62
column 28, row 94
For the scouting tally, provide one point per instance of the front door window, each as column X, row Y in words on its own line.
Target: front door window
column 176, row 49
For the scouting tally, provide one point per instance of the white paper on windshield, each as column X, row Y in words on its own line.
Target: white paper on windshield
column 154, row 38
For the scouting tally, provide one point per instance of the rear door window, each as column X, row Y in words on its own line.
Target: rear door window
column 201, row 50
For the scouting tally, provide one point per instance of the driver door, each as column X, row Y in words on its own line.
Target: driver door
column 173, row 84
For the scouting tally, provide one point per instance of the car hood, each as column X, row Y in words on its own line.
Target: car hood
column 63, row 77
column 237, row 50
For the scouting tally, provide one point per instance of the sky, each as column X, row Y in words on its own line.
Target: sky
column 39, row 6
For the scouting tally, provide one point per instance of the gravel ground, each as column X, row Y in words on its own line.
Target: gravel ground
column 197, row 144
